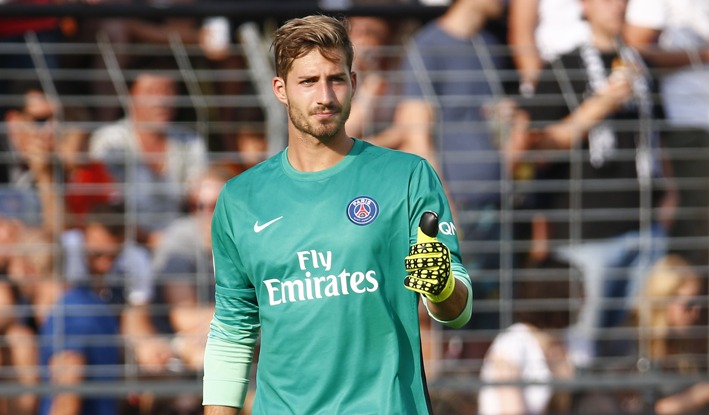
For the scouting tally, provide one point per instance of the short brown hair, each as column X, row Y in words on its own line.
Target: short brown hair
column 297, row 37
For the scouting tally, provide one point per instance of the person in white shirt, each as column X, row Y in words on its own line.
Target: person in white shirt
column 673, row 35
column 533, row 348
column 149, row 152
column 541, row 30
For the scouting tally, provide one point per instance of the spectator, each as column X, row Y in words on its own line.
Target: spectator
column 122, row 33
column 674, row 37
column 541, row 30
column 669, row 307
column 151, row 156
column 604, row 94
column 185, row 285
column 375, row 61
column 29, row 169
column 32, row 292
column 102, row 256
column 77, row 338
column 183, row 264
column 209, row 44
column 45, row 158
column 533, row 348
column 449, row 81
column 246, row 147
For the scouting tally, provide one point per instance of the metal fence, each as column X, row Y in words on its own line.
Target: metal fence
column 87, row 62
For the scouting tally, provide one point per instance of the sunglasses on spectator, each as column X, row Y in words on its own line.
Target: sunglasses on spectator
column 688, row 303
column 41, row 120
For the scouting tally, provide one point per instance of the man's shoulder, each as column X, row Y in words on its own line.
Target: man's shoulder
column 115, row 134
column 256, row 175
column 389, row 154
column 112, row 128
column 389, row 161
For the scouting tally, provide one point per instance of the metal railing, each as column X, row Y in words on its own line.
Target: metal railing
column 459, row 374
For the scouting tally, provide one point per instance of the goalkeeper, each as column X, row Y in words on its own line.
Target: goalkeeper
column 324, row 251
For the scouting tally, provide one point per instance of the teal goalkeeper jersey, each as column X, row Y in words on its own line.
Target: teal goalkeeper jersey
column 315, row 261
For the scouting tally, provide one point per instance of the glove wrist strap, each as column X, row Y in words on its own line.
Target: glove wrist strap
column 447, row 291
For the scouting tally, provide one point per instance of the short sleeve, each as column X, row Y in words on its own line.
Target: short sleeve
column 646, row 13
column 426, row 193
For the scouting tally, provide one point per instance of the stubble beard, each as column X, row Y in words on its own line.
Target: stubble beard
column 323, row 131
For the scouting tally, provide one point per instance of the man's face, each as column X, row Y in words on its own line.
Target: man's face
column 153, row 98
column 684, row 310
column 368, row 35
column 608, row 16
column 101, row 249
column 318, row 94
column 32, row 129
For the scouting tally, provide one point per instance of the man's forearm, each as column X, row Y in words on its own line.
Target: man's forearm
column 221, row 410
column 66, row 404
column 452, row 306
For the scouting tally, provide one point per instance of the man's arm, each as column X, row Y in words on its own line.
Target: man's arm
column 452, row 307
column 414, row 121
column 221, row 410
column 523, row 19
column 227, row 366
column 644, row 39
column 190, row 321
column 151, row 351
column 565, row 133
column 690, row 400
column 66, row 368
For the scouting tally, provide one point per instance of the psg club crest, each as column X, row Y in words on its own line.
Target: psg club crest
column 362, row 210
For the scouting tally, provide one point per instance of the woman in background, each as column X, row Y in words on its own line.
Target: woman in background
column 668, row 315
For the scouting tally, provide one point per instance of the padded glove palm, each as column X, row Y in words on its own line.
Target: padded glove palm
column 429, row 263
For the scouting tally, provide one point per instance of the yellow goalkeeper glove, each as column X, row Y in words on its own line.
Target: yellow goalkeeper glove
column 429, row 262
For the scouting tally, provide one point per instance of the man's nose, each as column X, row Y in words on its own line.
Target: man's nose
column 326, row 94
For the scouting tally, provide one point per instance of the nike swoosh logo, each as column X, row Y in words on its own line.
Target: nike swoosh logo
column 258, row 228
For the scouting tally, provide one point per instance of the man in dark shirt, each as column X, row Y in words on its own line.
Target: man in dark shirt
column 595, row 107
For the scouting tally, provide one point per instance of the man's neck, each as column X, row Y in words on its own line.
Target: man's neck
column 604, row 42
column 307, row 154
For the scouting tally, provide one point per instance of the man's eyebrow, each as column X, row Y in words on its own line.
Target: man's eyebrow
column 334, row 75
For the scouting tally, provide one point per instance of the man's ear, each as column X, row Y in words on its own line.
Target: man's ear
column 279, row 89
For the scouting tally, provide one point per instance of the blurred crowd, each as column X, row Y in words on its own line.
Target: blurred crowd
column 572, row 137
